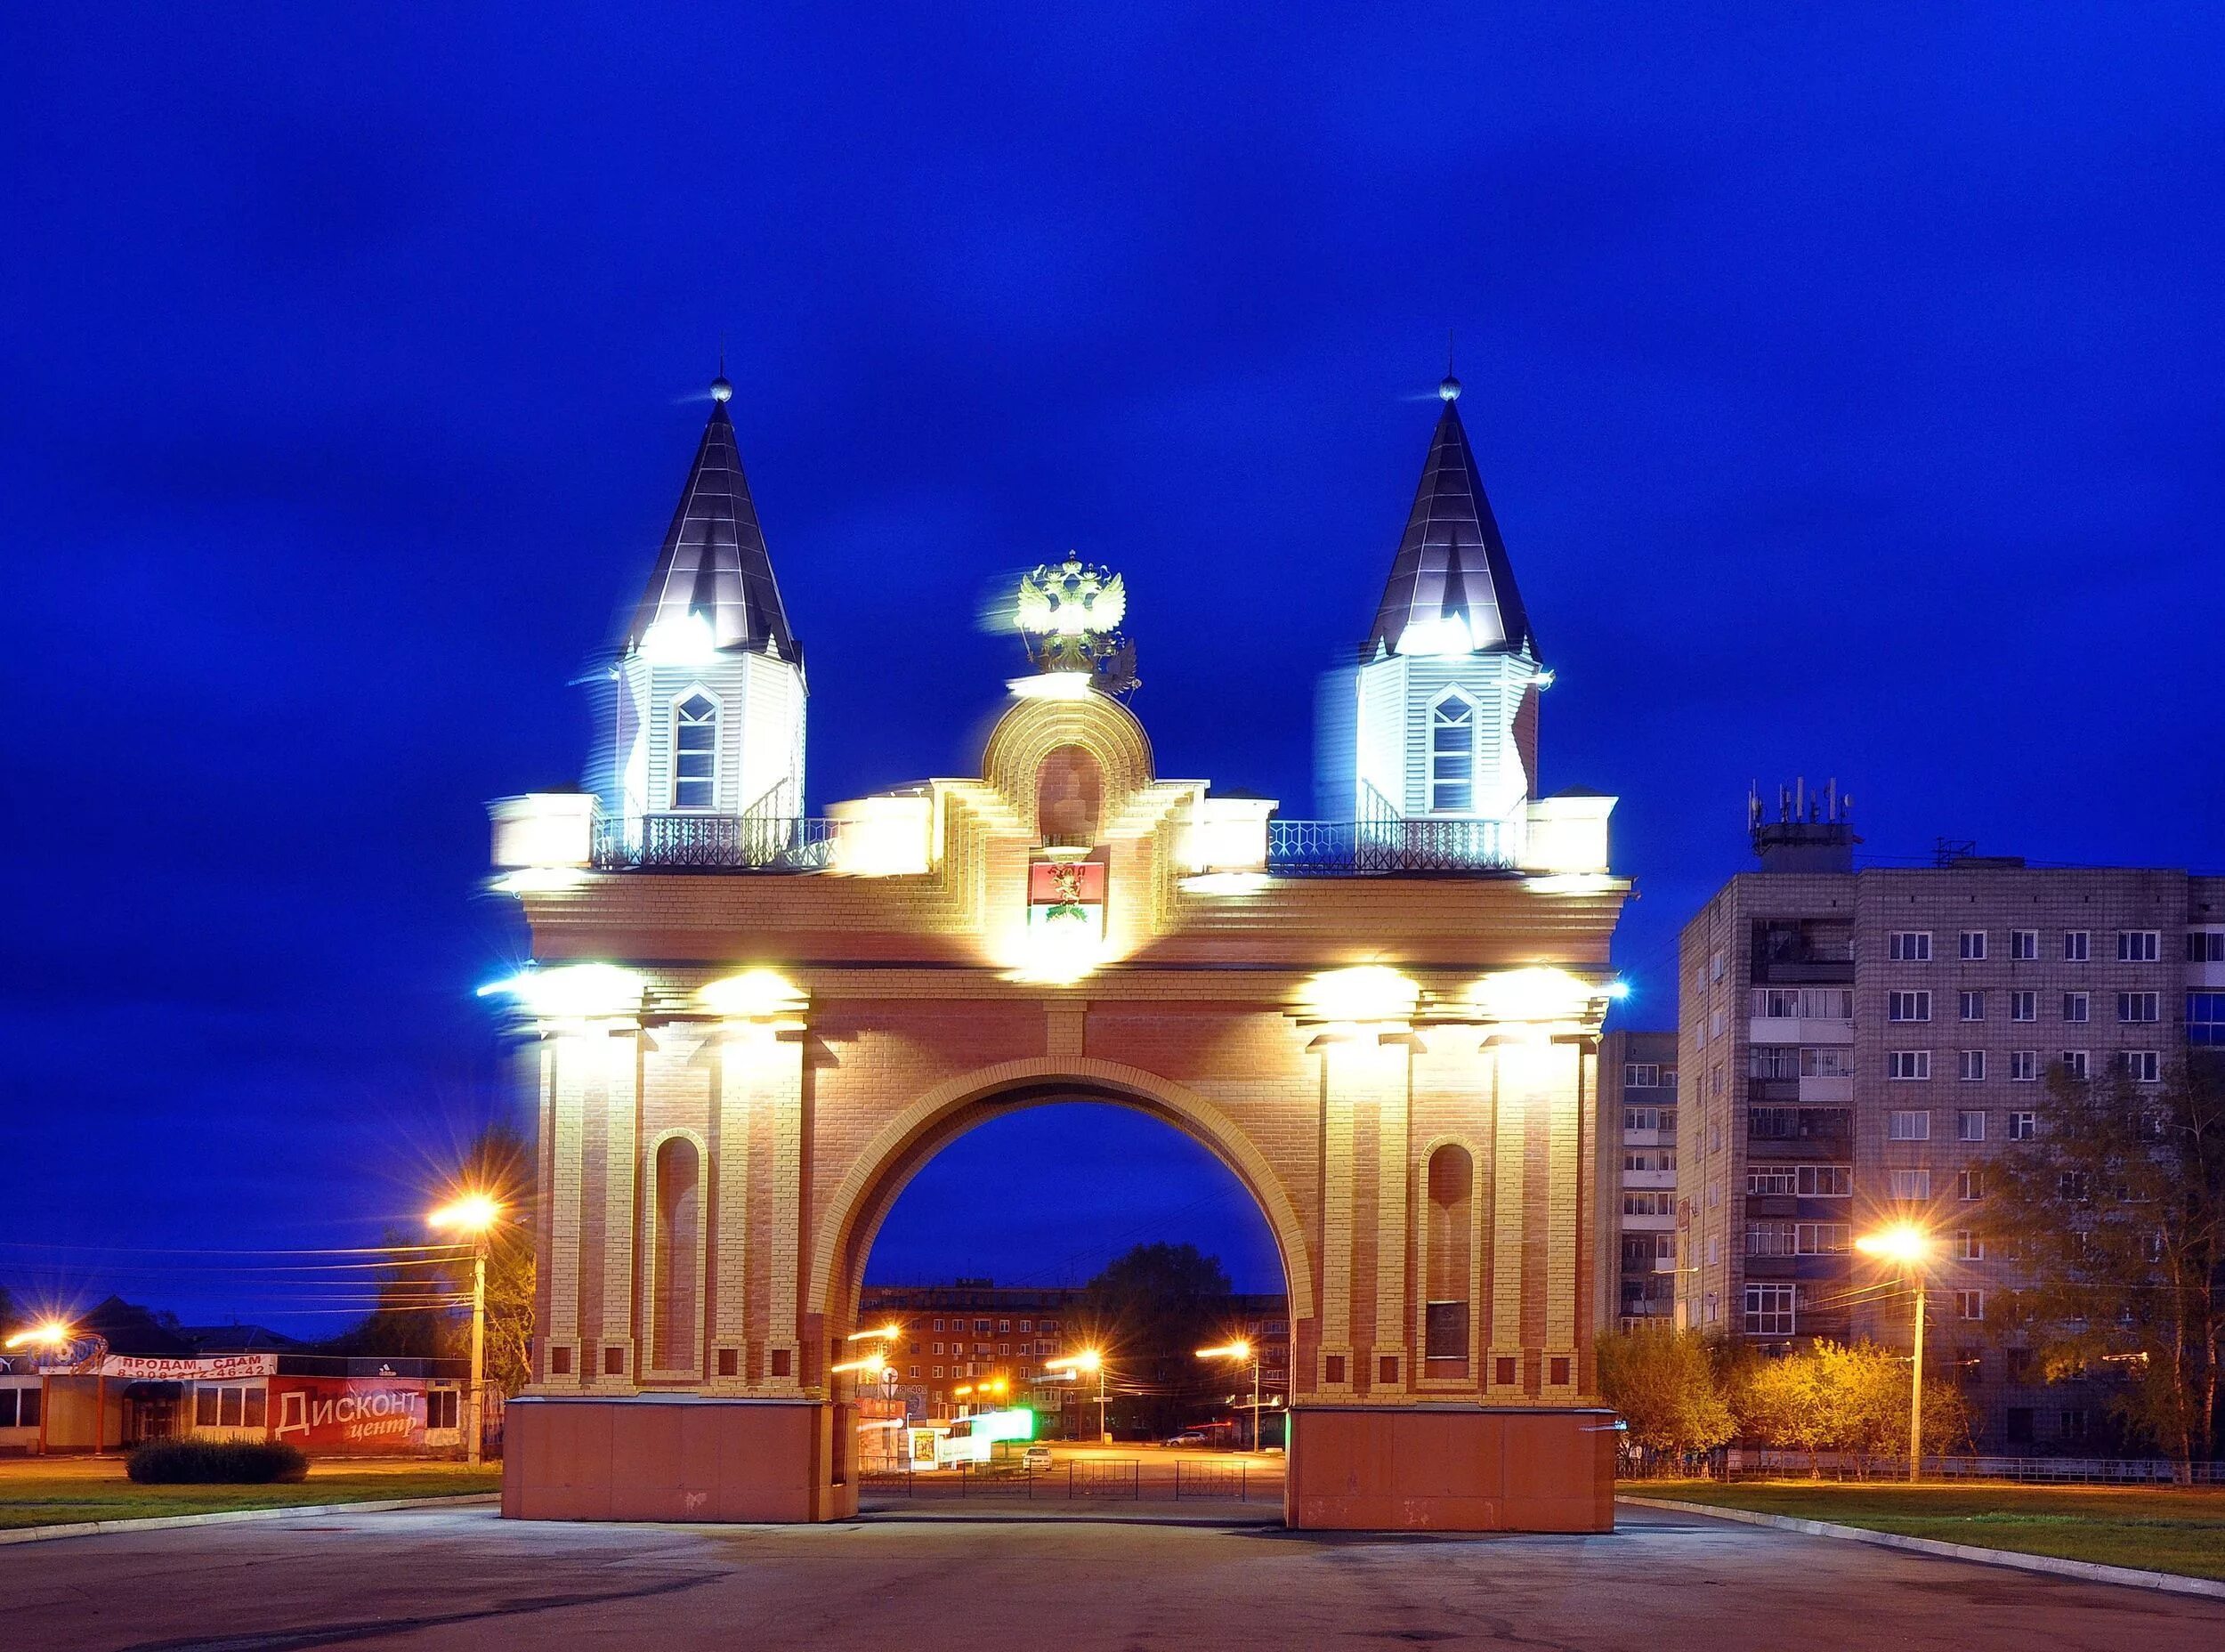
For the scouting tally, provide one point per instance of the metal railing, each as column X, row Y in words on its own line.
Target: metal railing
column 1749, row 1463
column 1346, row 848
column 1119, row 1479
column 715, row 843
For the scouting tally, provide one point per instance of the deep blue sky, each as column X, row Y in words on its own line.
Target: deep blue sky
column 1848, row 389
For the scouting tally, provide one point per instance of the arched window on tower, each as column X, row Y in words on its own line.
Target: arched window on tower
column 695, row 753
column 678, row 1244
column 1450, row 1216
column 1452, row 754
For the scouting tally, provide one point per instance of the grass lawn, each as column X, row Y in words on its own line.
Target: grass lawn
column 33, row 1499
column 2157, row 1528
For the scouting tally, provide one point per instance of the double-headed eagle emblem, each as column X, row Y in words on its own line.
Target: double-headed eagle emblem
column 1068, row 616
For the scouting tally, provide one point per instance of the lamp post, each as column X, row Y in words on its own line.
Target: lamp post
column 1909, row 1245
column 1242, row 1349
column 473, row 1215
column 1088, row 1359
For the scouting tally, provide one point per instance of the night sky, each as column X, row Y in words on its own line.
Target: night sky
column 1848, row 391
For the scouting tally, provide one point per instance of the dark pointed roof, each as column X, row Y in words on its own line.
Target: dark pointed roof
column 714, row 561
column 1453, row 561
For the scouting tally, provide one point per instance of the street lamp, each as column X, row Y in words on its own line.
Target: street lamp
column 1088, row 1359
column 54, row 1336
column 1911, row 1247
column 1242, row 1349
column 473, row 1215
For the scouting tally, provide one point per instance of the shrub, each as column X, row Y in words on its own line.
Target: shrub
column 214, row 1462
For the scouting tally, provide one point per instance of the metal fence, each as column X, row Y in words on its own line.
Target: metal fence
column 715, row 843
column 1123, row 1480
column 1342, row 848
column 1743, row 1464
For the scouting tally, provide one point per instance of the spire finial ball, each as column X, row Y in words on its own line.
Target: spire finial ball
column 720, row 390
column 1449, row 390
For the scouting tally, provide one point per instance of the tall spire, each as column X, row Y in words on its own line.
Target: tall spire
column 1450, row 585
column 713, row 565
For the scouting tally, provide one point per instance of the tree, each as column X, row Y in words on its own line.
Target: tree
column 2115, row 1212
column 1850, row 1398
column 1153, row 1306
column 1664, row 1383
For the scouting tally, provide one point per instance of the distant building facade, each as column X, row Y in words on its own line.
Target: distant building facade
column 971, row 1334
column 1637, row 1136
column 1853, row 1044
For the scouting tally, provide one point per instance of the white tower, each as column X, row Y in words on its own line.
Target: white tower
column 698, row 755
column 1430, row 745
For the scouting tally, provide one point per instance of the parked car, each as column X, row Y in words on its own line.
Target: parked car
column 1191, row 1437
column 1036, row 1457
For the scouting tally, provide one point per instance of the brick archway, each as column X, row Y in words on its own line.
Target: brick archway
column 860, row 1203
column 833, row 1008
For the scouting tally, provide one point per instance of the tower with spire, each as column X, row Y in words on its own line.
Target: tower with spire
column 700, row 717
column 1438, row 721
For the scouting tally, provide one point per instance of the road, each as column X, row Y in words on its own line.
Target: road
column 432, row 1579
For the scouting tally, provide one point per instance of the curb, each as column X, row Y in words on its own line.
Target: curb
column 2087, row 1571
column 226, row 1517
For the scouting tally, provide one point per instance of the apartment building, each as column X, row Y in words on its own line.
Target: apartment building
column 1853, row 1044
column 1637, row 1177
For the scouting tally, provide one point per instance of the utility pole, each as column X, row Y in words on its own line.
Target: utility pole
column 473, row 1442
column 1915, row 1389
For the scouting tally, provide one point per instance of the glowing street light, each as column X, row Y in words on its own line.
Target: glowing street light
column 1242, row 1349
column 1911, row 1247
column 474, row 1215
column 1088, row 1359
column 49, row 1334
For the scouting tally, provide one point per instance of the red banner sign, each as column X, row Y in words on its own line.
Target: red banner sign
column 347, row 1414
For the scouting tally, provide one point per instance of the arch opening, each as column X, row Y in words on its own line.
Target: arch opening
column 1037, row 1185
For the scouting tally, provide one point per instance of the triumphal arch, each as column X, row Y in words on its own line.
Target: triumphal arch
column 754, row 1023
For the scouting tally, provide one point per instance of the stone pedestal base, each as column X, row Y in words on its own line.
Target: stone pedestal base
column 1451, row 1468
column 655, row 1457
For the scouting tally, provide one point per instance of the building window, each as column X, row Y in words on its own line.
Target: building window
column 1027, row 1325
column 1826, row 1061
column 1968, row 1247
column 2142, row 1066
column 2132, row 1006
column 1969, row 1125
column 1769, row 1310
column 1973, row 1006
column 1970, row 1305
column 2023, row 1126
column 1909, row 946
column 1004, row 1325
column 1662, row 1204
column 1971, row 1064
column 1641, row 1075
column 1908, row 1007
column 938, row 1325
column 695, row 753
column 2024, row 1005
column 2076, row 1006
column 2205, row 946
column 2074, row 1063
column 2205, row 1018
column 1765, row 1180
column 2024, row 1065
column 1908, row 1064
column 1912, row 1184
column 2137, row 946
column 1969, row 1185
column 1824, row 1181
column 1908, row 1126
column 2024, row 943
column 1452, row 754
column 2077, row 945
column 1822, row 1238
column 1769, row 1238
column 1974, row 944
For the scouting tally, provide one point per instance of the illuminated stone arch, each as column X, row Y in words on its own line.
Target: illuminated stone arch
column 882, row 1168
column 1027, row 736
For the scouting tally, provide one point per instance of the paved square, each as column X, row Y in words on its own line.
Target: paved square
column 463, row 1578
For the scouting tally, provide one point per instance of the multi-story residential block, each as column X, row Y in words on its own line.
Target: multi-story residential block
column 970, row 1334
column 1854, row 1044
column 1638, row 1175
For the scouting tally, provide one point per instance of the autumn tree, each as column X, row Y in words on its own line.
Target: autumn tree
column 1849, row 1399
column 1664, row 1383
column 2114, row 1213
